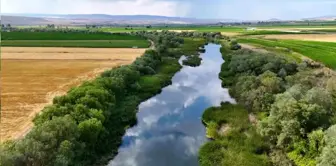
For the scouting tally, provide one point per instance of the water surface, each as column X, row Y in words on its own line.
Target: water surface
column 169, row 130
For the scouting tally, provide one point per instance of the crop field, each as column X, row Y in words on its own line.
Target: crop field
column 65, row 36
column 32, row 77
column 308, row 37
column 324, row 52
column 77, row 43
column 60, row 39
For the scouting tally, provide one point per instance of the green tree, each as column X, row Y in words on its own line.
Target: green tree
column 40, row 146
column 328, row 154
column 89, row 130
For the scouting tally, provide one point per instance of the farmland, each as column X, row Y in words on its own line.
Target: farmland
column 308, row 37
column 181, row 28
column 31, row 77
column 72, row 39
column 77, row 43
column 324, row 52
column 235, row 30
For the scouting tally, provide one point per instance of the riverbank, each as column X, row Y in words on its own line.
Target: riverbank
column 95, row 115
column 289, row 106
column 235, row 140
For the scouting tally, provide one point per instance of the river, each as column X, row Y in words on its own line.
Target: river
column 169, row 131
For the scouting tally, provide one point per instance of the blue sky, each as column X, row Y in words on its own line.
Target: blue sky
column 232, row 9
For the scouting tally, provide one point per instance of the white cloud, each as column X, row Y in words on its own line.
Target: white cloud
column 126, row 7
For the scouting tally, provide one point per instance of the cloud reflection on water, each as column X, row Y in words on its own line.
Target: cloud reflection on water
column 169, row 129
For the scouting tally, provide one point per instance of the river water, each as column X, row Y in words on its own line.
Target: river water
column 169, row 131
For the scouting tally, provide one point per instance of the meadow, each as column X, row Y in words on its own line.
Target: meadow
column 324, row 52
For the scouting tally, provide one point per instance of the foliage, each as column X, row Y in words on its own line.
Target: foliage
column 327, row 157
column 192, row 61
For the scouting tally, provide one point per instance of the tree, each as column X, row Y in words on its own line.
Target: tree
column 293, row 116
column 328, row 154
column 65, row 154
column 40, row 147
column 89, row 130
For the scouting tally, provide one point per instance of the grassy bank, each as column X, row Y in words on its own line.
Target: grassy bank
column 324, row 52
column 236, row 141
column 95, row 115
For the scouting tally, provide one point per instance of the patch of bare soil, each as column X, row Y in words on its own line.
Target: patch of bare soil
column 253, row 48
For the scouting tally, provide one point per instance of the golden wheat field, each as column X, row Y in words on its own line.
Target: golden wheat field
column 32, row 77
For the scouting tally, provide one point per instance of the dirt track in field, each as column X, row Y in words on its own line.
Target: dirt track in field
column 32, row 77
column 308, row 37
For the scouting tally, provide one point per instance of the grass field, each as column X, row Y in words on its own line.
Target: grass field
column 324, row 52
column 31, row 77
column 77, row 43
column 73, row 39
column 65, row 36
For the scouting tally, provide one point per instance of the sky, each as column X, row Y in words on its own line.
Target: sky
column 218, row 9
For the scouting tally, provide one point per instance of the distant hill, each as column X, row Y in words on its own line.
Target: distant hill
column 19, row 20
column 82, row 19
column 104, row 19
column 322, row 18
column 274, row 19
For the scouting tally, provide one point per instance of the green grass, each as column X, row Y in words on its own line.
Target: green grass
column 77, row 43
column 324, row 52
column 241, row 146
column 65, row 36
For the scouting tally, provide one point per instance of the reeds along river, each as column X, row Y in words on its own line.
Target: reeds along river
column 169, row 130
